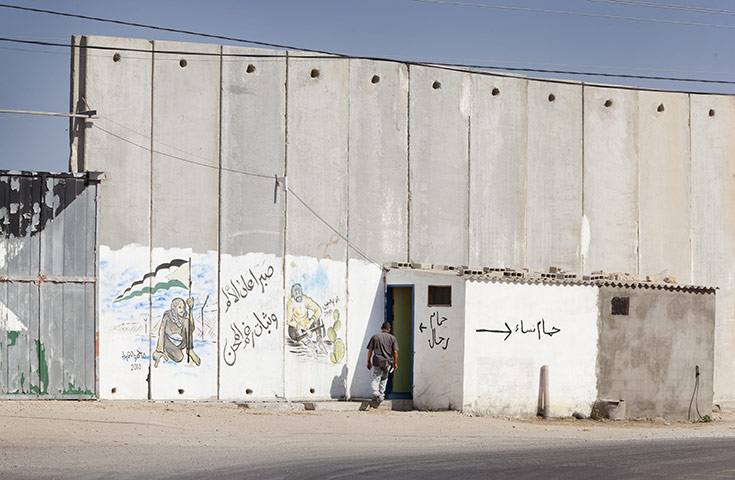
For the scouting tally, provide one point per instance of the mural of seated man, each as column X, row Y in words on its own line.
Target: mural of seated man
column 175, row 333
column 303, row 317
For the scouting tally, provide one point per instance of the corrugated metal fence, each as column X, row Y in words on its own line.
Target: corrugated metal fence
column 48, row 263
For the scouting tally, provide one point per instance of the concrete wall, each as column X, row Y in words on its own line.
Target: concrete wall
column 438, row 346
column 533, row 325
column 648, row 357
column 407, row 163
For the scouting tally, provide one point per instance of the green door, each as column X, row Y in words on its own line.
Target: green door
column 403, row 331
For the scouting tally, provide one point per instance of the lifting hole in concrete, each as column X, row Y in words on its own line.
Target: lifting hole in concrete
column 116, row 58
column 495, row 92
column 375, row 79
column 314, row 73
column 608, row 103
column 552, row 97
column 312, row 390
column 249, row 391
column 183, row 63
column 114, row 390
column 436, row 85
column 711, row 112
column 181, row 391
column 660, row 108
column 250, row 69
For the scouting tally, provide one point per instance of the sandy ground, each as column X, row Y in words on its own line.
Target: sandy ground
column 69, row 439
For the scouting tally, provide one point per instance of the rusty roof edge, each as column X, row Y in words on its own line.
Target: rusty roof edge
column 91, row 176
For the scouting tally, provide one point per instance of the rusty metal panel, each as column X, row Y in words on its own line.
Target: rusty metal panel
column 48, row 262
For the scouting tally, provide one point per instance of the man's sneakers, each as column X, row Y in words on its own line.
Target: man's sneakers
column 375, row 402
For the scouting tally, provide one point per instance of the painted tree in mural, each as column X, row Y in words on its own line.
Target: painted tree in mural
column 175, row 331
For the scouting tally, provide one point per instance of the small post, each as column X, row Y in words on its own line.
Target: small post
column 544, row 392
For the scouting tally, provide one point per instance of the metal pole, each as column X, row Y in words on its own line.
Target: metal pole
column 545, row 388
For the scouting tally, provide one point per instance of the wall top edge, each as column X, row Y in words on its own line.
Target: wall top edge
column 492, row 71
column 555, row 277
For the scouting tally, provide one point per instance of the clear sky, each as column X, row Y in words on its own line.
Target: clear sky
column 517, row 35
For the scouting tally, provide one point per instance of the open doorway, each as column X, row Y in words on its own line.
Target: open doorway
column 399, row 312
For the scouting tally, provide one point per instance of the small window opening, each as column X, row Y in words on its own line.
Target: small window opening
column 620, row 305
column 440, row 295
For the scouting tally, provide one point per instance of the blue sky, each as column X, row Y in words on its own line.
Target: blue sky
column 37, row 78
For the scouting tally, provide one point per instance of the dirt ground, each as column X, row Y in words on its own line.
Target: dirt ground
column 65, row 438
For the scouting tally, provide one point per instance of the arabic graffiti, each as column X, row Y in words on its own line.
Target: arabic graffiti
column 247, row 333
column 238, row 288
column 333, row 240
column 434, row 322
column 134, row 357
column 539, row 328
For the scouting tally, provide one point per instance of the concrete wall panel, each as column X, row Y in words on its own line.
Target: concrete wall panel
column 548, row 325
column 186, row 97
column 118, row 142
column 378, row 190
column 317, row 126
column 713, row 223
column 664, row 172
column 253, row 151
column 440, row 107
column 554, row 197
column 498, row 143
column 610, row 180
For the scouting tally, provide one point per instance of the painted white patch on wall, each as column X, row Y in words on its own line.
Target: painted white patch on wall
column 512, row 330
column 585, row 238
column 365, row 310
column 465, row 96
column 252, row 326
column 315, row 328
column 9, row 321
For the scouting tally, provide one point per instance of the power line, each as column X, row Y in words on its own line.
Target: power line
column 685, row 8
column 458, row 67
column 579, row 14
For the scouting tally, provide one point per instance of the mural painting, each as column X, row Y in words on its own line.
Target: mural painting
column 306, row 330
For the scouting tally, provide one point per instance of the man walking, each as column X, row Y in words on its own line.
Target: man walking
column 383, row 350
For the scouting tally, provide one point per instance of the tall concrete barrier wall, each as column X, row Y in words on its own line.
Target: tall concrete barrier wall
column 269, row 187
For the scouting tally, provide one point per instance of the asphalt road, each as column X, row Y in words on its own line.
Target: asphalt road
column 686, row 459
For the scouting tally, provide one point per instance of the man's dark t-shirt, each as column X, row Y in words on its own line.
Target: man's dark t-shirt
column 383, row 345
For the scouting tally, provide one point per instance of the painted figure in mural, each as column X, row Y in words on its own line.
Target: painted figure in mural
column 303, row 317
column 383, row 350
column 174, row 334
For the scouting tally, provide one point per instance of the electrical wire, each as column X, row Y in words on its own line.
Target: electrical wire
column 695, row 393
column 579, row 14
column 458, row 67
column 233, row 170
column 685, row 8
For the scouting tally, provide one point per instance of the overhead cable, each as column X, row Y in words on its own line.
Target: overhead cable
column 684, row 8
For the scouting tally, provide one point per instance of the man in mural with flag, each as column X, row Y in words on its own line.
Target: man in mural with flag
column 175, row 332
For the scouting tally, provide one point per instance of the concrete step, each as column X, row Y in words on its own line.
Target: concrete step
column 356, row 404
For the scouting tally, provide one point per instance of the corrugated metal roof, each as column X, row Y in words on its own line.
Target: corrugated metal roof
column 558, row 278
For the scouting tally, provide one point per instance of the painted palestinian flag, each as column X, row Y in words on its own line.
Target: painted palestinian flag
column 174, row 274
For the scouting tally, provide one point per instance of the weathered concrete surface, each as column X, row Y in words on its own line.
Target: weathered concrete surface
column 498, row 144
column 378, row 171
column 554, row 195
column 713, row 223
column 439, row 111
column 185, row 187
column 317, row 142
column 664, row 186
column 253, row 151
column 648, row 357
column 610, row 222
column 118, row 142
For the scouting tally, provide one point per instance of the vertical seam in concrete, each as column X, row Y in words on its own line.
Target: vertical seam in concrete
column 408, row 165
column 285, row 227
column 469, row 186
column 219, row 227
column 638, row 185
column 689, row 192
column 150, row 227
column 524, row 256
column 347, row 247
column 581, row 253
